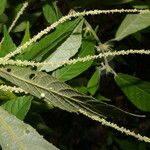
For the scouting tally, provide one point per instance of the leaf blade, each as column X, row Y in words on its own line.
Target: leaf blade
column 93, row 83
column 136, row 90
column 66, row 50
column 19, row 106
column 16, row 135
column 51, row 12
column 7, row 45
column 131, row 24
column 2, row 6
column 68, row 72
column 57, row 93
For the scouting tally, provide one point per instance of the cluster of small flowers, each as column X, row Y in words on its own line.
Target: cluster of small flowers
column 4, row 61
column 12, row 89
column 68, row 17
column 115, row 126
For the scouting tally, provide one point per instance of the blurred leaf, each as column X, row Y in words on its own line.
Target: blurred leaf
column 141, row 4
column 94, row 82
column 70, row 71
column 50, row 41
column 6, row 95
column 137, row 36
column 3, row 18
column 81, row 89
column 38, row 123
column 131, row 24
column 57, row 93
column 19, row 106
column 7, row 45
column 126, row 145
column 131, row 145
column 136, row 90
column 66, row 50
column 2, row 6
column 102, row 98
column 51, row 12
column 27, row 34
column 16, row 135
column 24, row 40
column 21, row 24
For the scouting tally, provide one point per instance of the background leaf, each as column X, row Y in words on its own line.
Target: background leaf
column 7, row 45
column 19, row 106
column 51, row 12
column 94, row 82
column 26, row 17
column 66, row 50
column 136, row 90
column 70, row 71
column 27, row 34
column 131, row 24
column 6, row 95
column 2, row 6
column 16, row 135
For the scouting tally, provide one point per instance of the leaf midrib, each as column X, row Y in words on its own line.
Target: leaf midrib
column 37, row 85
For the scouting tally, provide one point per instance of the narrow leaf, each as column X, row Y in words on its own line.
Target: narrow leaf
column 131, row 24
column 68, row 49
column 57, row 93
column 27, row 34
column 7, row 45
column 93, row 83
column 26, row 37
column 16, row 135
column 136, row 90
column 19, row 106
column 70, row 71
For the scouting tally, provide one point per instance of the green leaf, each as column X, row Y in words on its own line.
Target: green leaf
column 6, row 95
column 26, row 37
column 16, row 135
column 131, row 24
column 51, row 12
column 7, row 45
column 66, row 50
column 93, row 83
column 81, row 89
column 19, row 106
column 141, row 4
column 27, row 34
column 2, row 6
column 70, row 71
column 49, row 42
column 136, row 90
column 59, row 94
column 27, row 17
column 102, row 98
